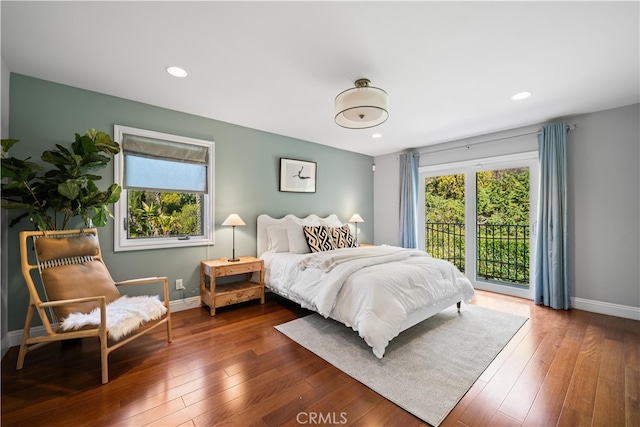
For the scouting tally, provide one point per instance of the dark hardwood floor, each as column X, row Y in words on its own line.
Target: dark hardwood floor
column 562, row 368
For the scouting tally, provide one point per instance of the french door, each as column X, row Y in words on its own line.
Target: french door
column 480, row 215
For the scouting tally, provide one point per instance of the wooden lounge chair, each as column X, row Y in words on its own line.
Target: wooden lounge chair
column 76, row 282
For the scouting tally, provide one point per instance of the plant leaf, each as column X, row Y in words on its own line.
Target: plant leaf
column 91, row 133
column 8, row 143
column 69, row 189
column 114, row 192
column 6, row 204
column 42, row 223
column 100, row 217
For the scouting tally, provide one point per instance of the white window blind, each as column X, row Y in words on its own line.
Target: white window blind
column 154, row 164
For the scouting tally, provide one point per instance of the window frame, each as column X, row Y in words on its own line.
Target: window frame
column 120, row 240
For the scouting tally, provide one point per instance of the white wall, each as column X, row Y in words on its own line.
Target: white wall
column 604, row 207
column 386, row 200
column 519, row 140
column 604, row 202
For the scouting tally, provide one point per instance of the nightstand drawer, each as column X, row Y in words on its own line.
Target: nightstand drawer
column 234, row 293
column 231, row 270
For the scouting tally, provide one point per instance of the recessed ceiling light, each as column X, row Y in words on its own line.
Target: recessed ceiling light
column 521, row 95
column 376, row 135
column 176, row 72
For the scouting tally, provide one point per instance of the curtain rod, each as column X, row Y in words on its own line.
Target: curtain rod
column 569, row 128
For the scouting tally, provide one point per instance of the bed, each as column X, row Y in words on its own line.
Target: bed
column 378, row 291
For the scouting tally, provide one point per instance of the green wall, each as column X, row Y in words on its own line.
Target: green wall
column 246, row 178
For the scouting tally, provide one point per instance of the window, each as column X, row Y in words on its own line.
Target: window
column 167, row 190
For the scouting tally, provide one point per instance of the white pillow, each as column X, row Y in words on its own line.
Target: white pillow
column 277, row 238
column 297, row 240
column 331, row 221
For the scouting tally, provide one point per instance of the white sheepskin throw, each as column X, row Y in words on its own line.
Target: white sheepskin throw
column 124, row 315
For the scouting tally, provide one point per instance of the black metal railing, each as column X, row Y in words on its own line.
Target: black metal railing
column 445, row 240
column 502, row 250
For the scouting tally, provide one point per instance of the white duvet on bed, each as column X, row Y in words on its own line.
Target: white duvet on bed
column 371, row 289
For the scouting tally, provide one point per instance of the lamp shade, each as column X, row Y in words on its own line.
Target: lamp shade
column 361, row 107
column 233, row 220
column 356, row 218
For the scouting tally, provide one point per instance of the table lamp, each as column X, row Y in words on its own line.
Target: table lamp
column 233, row 220
column 356, row 219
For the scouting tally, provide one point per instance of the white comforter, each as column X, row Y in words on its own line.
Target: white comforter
column 371, row 289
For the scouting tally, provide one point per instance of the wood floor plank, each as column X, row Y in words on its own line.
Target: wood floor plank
column 502, row 420
column 274, row 386
column 531, row 353
column 547, row 406
column 320, row 403
column 578, row 404
column 296, row 408
column 632, row 396
column 632, row 348
column 251, row 406
column 562, row 368
column 367, row 400
column 609, row 400
column 518, row 401
column 569, row 417
column 148, row 416
column 484, row 407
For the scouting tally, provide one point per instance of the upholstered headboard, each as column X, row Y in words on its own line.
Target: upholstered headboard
column 265, row 220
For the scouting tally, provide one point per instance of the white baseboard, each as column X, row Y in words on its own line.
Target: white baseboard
column 184, row 304
column 13, row 338
column 617, row 310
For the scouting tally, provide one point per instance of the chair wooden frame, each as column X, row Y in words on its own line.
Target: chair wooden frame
column 52, row 331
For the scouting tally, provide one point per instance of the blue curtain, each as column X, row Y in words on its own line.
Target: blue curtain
column 551, row 285
column 409, row 200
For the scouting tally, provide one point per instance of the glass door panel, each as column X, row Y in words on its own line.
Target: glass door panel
column 502, row 226
column 445, row 218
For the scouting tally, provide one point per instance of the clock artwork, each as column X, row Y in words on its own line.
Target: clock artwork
column 297, row 176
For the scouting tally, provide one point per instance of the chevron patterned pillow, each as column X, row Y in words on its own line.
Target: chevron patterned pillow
column 319, row 238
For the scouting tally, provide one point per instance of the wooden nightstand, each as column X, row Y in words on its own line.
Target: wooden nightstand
column 220, row 295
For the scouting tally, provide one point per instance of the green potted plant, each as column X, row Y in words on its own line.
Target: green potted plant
column 52, row 197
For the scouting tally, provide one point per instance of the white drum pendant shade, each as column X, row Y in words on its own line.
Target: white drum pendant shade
column 361, row 107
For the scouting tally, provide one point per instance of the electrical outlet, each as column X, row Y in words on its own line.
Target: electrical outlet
column 179, row 284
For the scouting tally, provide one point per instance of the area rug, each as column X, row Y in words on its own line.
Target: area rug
column 426, row 369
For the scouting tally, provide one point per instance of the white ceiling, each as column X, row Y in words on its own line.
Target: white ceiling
column 450, row 68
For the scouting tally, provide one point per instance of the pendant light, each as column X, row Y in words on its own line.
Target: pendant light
column 362, row 106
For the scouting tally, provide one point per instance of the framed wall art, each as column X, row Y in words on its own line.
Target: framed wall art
column 297, row 176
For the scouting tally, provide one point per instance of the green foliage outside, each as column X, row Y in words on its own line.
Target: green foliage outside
column 444, row 209
column 160, row 214
column 502, row 198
